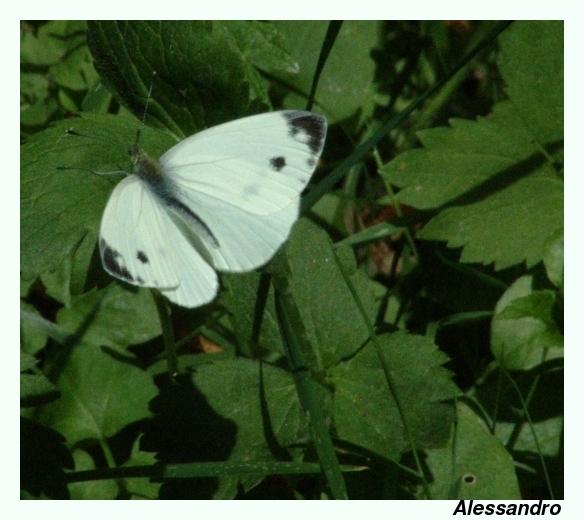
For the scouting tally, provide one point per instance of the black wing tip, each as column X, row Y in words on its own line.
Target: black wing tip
column 312, row 124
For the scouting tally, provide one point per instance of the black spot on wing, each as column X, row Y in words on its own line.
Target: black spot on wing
column 114, row 261
column 307, row 128
column 277, row 163
column 142, row 257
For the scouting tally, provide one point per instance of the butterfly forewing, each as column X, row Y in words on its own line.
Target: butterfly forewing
column 258, row 164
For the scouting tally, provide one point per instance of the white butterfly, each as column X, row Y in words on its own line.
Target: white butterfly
column 224, row 199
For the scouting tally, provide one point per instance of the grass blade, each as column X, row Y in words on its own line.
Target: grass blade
column 307, row 393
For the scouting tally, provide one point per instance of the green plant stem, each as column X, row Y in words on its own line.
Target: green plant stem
column 307, row 394
column 167, row 333
column 397, row 207
column 388, row 376
column 524, row 405
column 158, row 472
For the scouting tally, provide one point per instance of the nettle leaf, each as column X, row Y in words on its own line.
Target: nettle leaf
column 99, row 396
column 473, row 465
column 335, row 329
column 107, row 317
column 61, row 200
column 498, row 174
column 202, row 77
column 232, row 410
column 365, row 412
column 347, row 86
column 524, row 333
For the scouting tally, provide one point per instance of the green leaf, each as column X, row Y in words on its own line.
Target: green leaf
column 99, row 396
column 61, row 199
column 36, row 389
column 102, row 489
column 108, row 316
column 141, row 488
column 473, row 465
column 347, row 86
column 531, row 63
column 524, row 333
column 545, row 391
column 44, row 48
column 334, row 330
column 232, row 389
column 33, row 337
column 553, row 258
column 241, row 294
column 76, row 72
column 202, row 76
column 234, row 410
column 498, row 173
column 69, row 278
column 365, row 412
column 262, row 44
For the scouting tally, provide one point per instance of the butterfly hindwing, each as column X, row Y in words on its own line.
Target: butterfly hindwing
column 141, row 244
column 259, row 164
column 132, row 241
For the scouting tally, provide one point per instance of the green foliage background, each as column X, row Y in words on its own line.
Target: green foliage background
column 407, row 340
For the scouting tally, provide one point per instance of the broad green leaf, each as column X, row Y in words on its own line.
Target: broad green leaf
column 69, row 278
column 329, row 315
column 473, row 465
column 347, row 86
column 61, row 199
column 104, row 489
column 498, row 174
column 99, row 396
column 553, row 258
column 263, row 45
column 531, row 63
column 202, row 77
column 33, row 337
column 365, row 412
column 523, row 331
column 116, row 316
column 235, row 410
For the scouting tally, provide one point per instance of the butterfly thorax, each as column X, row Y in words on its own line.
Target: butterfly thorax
column 146, row 168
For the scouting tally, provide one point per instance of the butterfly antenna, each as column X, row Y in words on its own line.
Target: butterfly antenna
column 143, row 122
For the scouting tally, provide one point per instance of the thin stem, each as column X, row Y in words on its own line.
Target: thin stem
column 388, row 376
column 167, row 333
